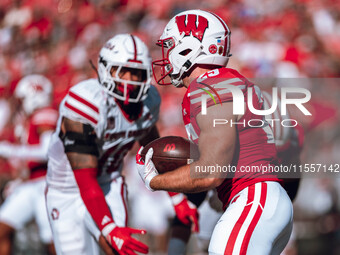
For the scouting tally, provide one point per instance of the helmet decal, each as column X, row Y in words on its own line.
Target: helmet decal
column 227, row 31
column 187, row 24
column 212, row 48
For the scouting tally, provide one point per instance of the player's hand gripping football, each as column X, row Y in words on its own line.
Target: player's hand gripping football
column 147, row 170
column 121, row 240
column 186, row 211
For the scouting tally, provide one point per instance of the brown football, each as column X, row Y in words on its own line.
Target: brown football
column 171, row 152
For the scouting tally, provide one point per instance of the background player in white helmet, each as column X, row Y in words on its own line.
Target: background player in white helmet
column 99, row 122
column 27, row 202
column 258, row 212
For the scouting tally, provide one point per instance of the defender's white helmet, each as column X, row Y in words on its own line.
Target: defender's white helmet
column 191, row 37
column 125, row 52
column 34, row 91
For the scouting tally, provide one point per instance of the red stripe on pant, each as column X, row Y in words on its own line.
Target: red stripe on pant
column 255, row 220
column 235, row 232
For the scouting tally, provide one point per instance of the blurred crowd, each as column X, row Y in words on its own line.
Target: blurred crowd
column 288, row 39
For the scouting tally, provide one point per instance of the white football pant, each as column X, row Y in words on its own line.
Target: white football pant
column 74, row 230
column 258, row 221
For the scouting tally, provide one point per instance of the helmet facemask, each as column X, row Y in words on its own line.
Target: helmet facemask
column 163, row 67
column 126, row 90
column 180, row 54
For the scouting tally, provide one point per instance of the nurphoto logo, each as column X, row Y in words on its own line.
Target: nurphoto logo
column 238, row 100
column 278, row 104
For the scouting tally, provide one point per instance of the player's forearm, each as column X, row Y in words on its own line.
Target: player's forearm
column 181, row 181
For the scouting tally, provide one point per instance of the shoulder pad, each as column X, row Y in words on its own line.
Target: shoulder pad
column 82, row 102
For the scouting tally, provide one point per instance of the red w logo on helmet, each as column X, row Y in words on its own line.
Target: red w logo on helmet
column 197, row 30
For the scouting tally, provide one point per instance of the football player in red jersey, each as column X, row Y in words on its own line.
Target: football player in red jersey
column 258, row 212
column 288, row 142
column 27, row 202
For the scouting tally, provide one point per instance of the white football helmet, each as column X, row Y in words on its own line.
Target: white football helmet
column 34, row 91
column 122, row 53
column 191, row 37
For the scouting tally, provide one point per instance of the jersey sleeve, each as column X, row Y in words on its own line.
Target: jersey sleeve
column 81, row 104
column 215, row 90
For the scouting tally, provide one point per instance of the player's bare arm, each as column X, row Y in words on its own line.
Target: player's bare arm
column 216, row 145
column 78, row 160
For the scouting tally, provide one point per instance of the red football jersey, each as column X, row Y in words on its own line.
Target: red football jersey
column 255, row 145
column 42, row 118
